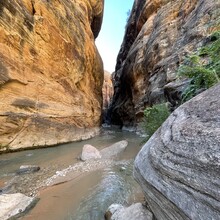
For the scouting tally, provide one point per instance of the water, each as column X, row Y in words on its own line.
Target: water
column 85, row 197
column 116, row 186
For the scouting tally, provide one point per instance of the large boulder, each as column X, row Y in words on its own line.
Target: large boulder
column 13, row 205
column 51, row 73
column 114, row 149
column 179, row 167
column 158, row 35
column 90, row 153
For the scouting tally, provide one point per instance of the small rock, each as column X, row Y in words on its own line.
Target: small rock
column 24, row 169
column 89, row 152
column 122, row 168
column 134, row 212
column 111, row 210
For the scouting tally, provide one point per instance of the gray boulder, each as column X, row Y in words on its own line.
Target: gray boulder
column 24, row 169
column 134, row 212
column 13, row 205
column 89, row 153
column 112, row 209
column 179, row 167
column 114, row 149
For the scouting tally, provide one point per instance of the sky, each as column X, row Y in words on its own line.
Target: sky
column 112, row 32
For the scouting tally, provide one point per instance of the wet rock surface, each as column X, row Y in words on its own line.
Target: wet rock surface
column 178, row 168
column 24, row 169
column 13, row 205
column 158, row 35
column 134, row 212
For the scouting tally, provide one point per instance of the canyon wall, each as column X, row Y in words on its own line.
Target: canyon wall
column 158, row 35
column 51, row 73
column 107, row 91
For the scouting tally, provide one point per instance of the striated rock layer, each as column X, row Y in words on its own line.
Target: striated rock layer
column 158, row 35
column 179, row 167
column 51, row 73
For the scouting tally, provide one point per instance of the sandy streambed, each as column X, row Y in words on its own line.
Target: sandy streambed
column 69, row 188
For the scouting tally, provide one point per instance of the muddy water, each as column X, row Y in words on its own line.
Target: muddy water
column 85, row 197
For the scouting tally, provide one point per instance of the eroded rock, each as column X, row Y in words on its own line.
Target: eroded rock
column 51, row 73
column 178, row 168
column 13, row 205
column 134, row 212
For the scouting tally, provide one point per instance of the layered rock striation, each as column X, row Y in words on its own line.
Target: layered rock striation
column 179, row 167
column 51, row 73
column 159, row 34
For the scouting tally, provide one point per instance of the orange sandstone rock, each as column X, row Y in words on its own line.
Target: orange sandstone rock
column 51, row 73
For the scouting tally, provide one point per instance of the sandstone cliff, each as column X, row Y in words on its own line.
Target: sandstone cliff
column 51, row 73
column 178, row 168
column 107, row 91
column 158, row 35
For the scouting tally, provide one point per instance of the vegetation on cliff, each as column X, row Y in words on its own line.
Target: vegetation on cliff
column 202, row 67
column 154, row 117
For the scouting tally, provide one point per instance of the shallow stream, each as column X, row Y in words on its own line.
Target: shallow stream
column 84, row 197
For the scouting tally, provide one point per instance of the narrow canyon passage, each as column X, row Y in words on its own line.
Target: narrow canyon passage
column 165, row 73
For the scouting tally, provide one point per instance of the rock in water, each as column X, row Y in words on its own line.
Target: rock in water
column 89, row 153
column 24, row 169
column 158, row 35
column 112, row 209
column 13, row 205
column 114, row 149
column 134, row 212
column 179, row 167
column 51, row 73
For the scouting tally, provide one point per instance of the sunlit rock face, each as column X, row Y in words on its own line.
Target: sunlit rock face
column 159, row 34
column 51, row 73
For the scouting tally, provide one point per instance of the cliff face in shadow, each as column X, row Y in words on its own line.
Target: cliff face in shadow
column 159, row 34
column 51, row 73
column 107, row 92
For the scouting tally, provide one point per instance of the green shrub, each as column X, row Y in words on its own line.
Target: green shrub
column 202, row 67
column 154, row 117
